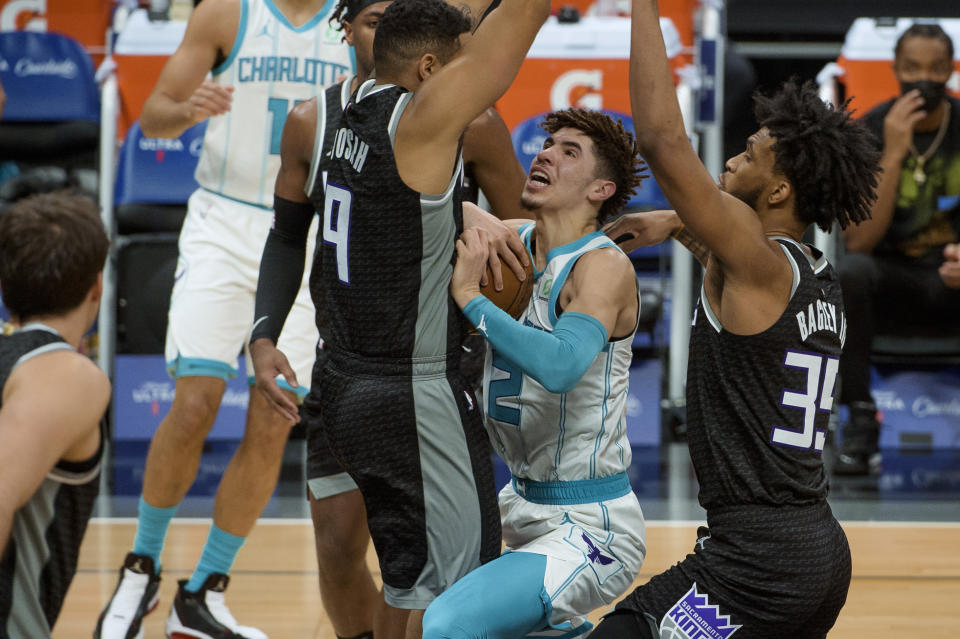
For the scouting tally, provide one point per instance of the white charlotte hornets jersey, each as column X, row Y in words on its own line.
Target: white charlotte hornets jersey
column 546, row 436
column 272, row 67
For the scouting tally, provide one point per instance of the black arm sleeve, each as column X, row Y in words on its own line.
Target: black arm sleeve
column 281, row 267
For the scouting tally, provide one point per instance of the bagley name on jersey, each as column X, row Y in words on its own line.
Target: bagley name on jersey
column 822, row 316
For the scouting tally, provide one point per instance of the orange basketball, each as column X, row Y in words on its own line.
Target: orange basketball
column 514, row 295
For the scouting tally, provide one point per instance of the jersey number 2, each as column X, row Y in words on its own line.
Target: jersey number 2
column 815, row 397
column 337, row 204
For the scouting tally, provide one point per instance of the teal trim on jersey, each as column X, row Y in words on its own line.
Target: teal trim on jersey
column 561, row 277
column 603, row 414
column 199, row 367
column 556, row 593
column 233, row 199
column 299, row 391
column 563, row 430
column 271, row 133
column 569, row 493
column 309, row 24
column 526, row 234
column 587, row 626
column 241, row 34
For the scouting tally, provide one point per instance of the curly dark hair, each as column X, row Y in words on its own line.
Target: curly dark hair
column 831, row 160
column 412, row 28
column 338, row 14
column 52, row 246
column 615, row 149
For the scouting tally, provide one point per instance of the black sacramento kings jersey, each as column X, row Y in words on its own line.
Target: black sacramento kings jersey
column 383, row 263
column 758, row 405
column 41, row 556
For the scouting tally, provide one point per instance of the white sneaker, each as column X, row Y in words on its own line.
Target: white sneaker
column 135, row 596
column 204, row 614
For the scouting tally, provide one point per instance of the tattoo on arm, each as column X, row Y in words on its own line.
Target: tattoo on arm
column 694, row 245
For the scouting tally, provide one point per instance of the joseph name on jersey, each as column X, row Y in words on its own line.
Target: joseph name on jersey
column 576, row 435
column 273, row 66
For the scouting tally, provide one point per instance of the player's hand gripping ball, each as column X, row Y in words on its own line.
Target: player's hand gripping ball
column 515, row 295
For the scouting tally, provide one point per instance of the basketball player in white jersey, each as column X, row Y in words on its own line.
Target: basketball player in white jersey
column 555, row 390
column 265, row 56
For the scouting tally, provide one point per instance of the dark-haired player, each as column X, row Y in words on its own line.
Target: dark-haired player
column 346, row 586
column 764, row 353
column 52, row 399
column 396, row 411
column 555, row 390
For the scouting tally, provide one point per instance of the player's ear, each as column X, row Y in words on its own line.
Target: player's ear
column 601, row 190
column 96, row 291
column 429, row 64
column 348, row 33
column 781, row 193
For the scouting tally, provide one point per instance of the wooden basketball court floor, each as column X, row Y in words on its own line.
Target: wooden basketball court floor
column 906, row 577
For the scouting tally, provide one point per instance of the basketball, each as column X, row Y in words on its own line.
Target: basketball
column 514, row 295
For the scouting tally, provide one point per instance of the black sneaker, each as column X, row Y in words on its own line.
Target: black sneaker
column 136, row 595
column 204, row 614
column 859, row 452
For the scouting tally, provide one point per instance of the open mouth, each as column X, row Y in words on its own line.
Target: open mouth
column 539, row 178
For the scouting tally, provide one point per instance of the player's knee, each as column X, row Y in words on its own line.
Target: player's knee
column 193, row 413
column 340, row 529
column 442, row 621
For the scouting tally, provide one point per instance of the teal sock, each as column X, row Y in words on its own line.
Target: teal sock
column 217, row 558
column 152, row 524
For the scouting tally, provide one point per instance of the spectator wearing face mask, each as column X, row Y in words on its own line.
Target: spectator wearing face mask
column 901, row 272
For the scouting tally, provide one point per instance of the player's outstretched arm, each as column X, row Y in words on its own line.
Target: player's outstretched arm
column 730, row 229
column 182, row 97
column 52, row 407
column 282, row 264
column 633, row 230
column 487, row 145
column 599, row 307
column 477, row 77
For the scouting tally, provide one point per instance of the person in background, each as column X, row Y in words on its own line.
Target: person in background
column 901, row 271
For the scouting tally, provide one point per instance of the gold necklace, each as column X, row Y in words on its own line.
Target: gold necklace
column 918, row 174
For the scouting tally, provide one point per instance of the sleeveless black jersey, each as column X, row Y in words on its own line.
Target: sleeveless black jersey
column 758, row 405
column 41, row 556
column 385, row 254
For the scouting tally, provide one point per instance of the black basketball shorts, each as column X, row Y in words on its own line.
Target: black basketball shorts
column 757, row 572
column 416, row 447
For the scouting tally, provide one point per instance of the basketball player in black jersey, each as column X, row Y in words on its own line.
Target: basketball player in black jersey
column 764, row 353
column 52, row 400
column 346, row 587
column 396, row 411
